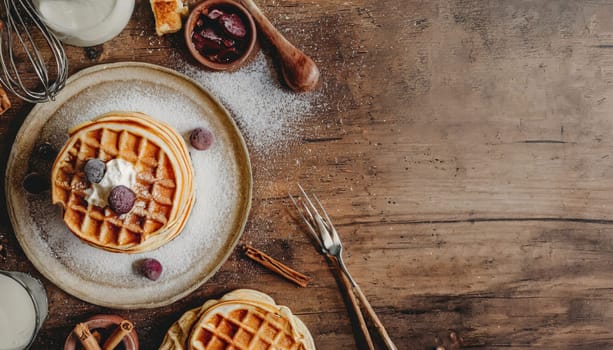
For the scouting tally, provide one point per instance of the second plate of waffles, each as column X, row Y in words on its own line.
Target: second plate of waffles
column 241, row 319
column 202, row 197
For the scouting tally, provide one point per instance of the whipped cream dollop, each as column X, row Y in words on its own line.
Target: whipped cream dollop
column 118, row 172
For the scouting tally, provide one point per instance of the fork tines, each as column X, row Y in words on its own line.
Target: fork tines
column 321, row 228
column 306, row 215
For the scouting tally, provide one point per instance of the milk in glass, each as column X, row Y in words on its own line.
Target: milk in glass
column 17, row 315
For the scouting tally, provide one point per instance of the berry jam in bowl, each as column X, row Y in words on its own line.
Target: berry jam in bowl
column 220, row 34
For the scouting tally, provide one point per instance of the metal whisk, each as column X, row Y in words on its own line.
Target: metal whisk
column 20, row 31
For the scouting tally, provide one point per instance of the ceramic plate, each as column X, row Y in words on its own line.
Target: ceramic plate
column 222, row 184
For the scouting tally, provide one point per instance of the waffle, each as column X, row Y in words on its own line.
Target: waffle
column 164, row 188
column 243, row 319
column 244, row 325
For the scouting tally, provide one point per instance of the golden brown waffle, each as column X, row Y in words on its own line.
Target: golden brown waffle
column 164, row 189
column 246, row 326
column 241, row 319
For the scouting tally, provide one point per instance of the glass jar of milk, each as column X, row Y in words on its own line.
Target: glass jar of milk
column 23, row 308
column 85, row 22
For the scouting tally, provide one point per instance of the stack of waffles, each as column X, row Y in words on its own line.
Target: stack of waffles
column 243, row 319
column 164, row 182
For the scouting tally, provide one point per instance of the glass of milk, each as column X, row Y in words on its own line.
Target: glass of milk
column 85, row 22
column 23, row 308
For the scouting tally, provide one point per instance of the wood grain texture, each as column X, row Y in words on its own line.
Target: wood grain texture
column 464, row 152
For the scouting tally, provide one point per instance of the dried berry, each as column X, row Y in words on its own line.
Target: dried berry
column 210, row 34
column 46, row 151
column 228, row 55
column 207, row 41
column 200, row 22
column 228, row 43
column 94, row 170
column 121, row 199
column 201, row 139
column 35, row 183
column 233, row 25
column 150, row 268
column 215, row 14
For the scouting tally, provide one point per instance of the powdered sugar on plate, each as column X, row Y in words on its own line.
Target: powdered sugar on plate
column 219, row 178
column 214, row 186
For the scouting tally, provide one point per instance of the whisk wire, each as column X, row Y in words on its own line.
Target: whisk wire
column 22, row 19
column 40, row 68
column 16, row 21
column 57, row 48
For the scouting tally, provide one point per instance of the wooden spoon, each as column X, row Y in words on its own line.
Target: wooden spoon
column 299, row 71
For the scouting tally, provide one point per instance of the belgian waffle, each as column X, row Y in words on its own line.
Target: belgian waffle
column 244, row 325
column 242, row 319
column 164, row 189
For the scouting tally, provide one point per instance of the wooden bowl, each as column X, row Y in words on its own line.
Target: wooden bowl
column 107, row 322
column 232, row 7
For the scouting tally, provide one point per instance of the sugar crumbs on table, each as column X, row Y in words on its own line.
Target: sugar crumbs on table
column 268, row 114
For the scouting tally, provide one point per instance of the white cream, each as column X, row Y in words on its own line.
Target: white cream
column 85, row 22
column 17, row 315
column 118, row 172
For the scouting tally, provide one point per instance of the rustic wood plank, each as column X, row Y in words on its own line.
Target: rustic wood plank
column 462, row 147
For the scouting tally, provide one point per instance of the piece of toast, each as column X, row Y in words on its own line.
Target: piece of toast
column 167, row 15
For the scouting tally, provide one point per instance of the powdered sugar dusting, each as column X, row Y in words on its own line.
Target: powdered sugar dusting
column 269, row 116
column 208, row 230
column 267, row 113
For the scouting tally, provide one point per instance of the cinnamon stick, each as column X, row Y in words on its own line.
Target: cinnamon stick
column 85, row 337
column 276, row 266
column 124, row 328
column 97, row 336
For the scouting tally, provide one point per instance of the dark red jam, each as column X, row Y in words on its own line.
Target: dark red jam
column 221, row 34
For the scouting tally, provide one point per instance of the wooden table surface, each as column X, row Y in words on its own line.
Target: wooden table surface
column 464, row 152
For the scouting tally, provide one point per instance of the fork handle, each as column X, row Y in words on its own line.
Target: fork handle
column 389, row 344
column 375, row 320
column 349, row 292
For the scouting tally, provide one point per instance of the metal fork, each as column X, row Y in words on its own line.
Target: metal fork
column 323, row 232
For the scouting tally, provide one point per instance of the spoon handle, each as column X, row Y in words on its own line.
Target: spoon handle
column 299, row 70
column 269, row 30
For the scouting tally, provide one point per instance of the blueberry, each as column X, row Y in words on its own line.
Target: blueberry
column 94, row 170
column 201, row 139
column 121, row 199
column 46, row 151
column 93, row 52
column 35, row 183
column 150, row 268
